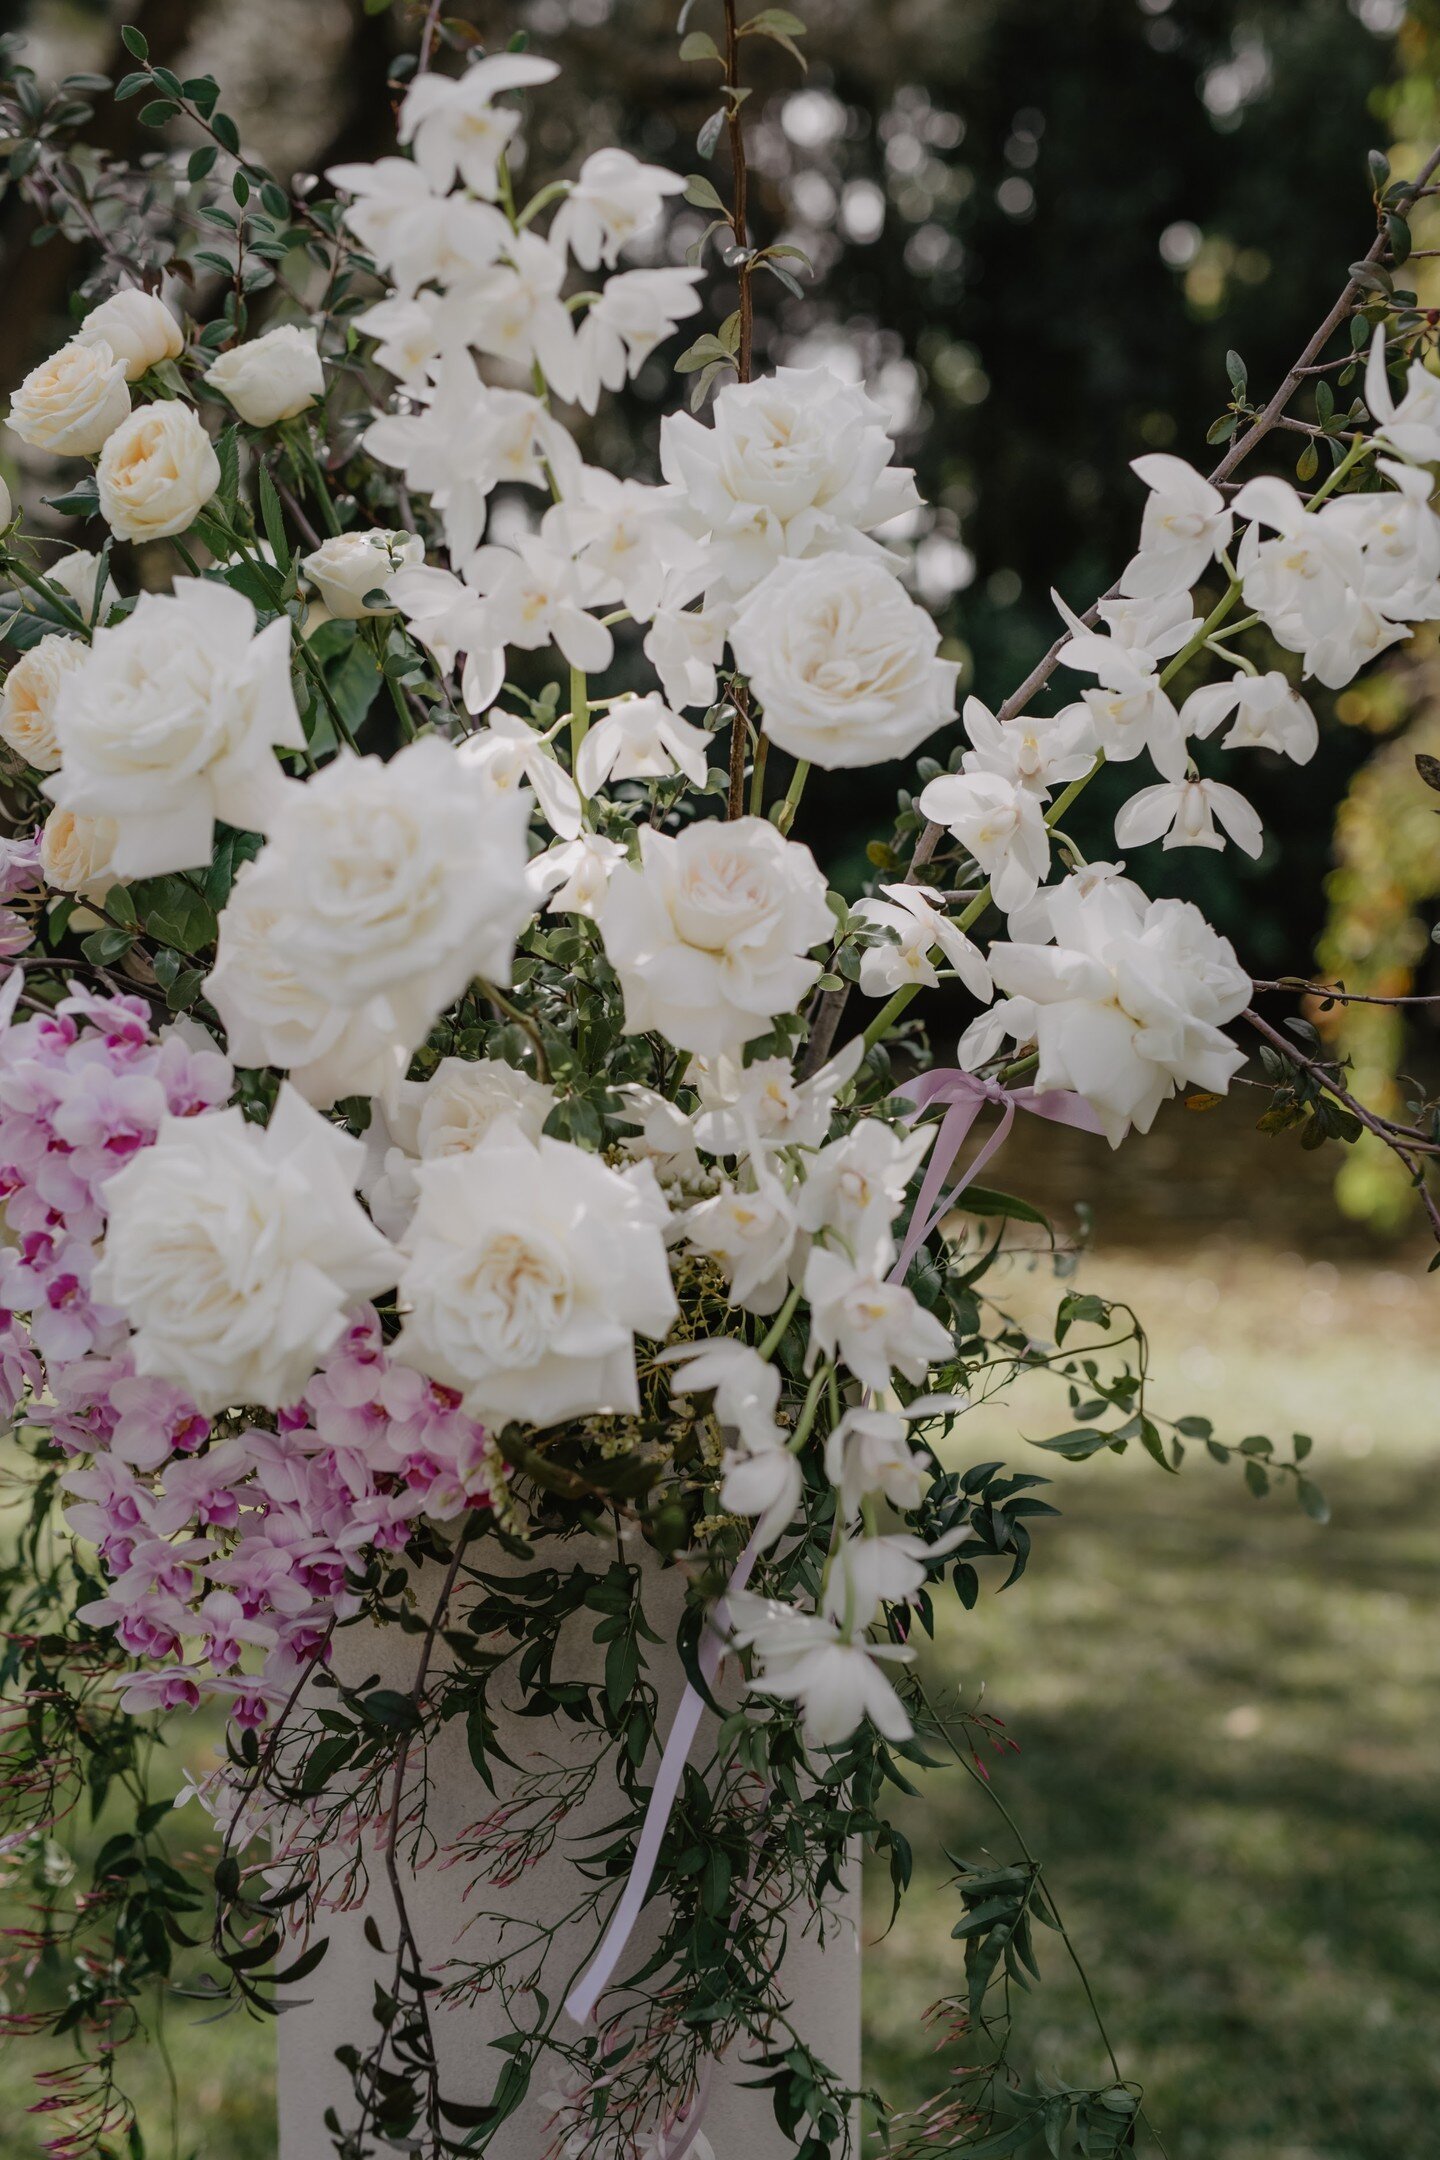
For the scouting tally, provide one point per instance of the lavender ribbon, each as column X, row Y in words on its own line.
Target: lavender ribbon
column 581, row 2000
column 964, row 1095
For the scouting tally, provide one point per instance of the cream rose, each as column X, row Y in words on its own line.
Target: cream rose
column 390, row 887
column 844, row 663
column 272, row 378
column 27, row 702
column 448, row 1114
column 73, row 402
column 138, row 328
column 76, row 853
column 530, row 1267
column 272, row 1018
column 795, row 463
column 235, row 1253
column 157, row 472
column 171, row 722
column 711, row 934
column 349, row 565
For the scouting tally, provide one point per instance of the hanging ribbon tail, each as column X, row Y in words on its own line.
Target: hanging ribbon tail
column 581, row 2001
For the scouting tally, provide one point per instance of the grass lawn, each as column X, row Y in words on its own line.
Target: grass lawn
column 1228, row 1751
column 1226, row 1714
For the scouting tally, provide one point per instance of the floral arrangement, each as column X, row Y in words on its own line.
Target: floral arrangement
column 423, row 1138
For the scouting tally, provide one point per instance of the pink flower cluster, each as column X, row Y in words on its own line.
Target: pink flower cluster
column 221, row 1547
column 80, row 1090
column 228, row 1554
column 20, row 872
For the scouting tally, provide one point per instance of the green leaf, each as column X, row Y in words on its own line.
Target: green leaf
column 201, row 162
column 304, row 1965
column 273, row 519
column 157, row 112
column 175, row 914
column 980, row 1200
column 135, row 42
column 104, row 947
column 699, row 45
column 1312, row 1500
column 702, row 193
column 709, row 134
column 1236, row 370
column 1077, row 1446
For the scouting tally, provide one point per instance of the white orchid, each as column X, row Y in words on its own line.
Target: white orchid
column 877, row 1328
column 1033, row 752
column 511, row 754
column 573, row 877
column 1001, row 826
column 804, row 1658
column 457, row 131
column 1186, row 525
column 745, row 1108
column 1268, row 714
column 916, row 915
column 1186, row 811
column 613, row 200
column 1413, row 426
column 1128, row 1002
column 633, row 313
column 639, row 738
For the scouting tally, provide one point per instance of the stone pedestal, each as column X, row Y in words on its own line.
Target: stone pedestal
column 822, row 1983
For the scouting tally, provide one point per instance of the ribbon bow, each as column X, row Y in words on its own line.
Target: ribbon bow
column 965, row 1095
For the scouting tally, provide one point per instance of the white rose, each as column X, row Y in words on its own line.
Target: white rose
column 711, row 934
column 27, row 702
column 530, row 1268
column 73, row 402
column 349, row 565
column 390, row 886
column 157, row 472
column 76, row 852
column 272, row 378
column 796, row 463
column 235, row 1252
column 138, row 328
column 448, row 1114
column 78, row 577
column 272, row 1018
column 844, row 662
column 170, row 723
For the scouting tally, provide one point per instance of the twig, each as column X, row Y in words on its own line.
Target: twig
column 740, row 227
column 1327, row 992
column 1403, row 1141
column 832, row 1006
column 427, row 41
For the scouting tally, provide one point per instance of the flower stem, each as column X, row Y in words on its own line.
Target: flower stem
column 796, row 789
column 579, row 713
column 782, row 1321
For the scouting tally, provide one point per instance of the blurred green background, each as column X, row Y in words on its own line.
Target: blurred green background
column 1038, row 226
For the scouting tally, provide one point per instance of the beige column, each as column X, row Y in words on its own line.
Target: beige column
column 823, row 1982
